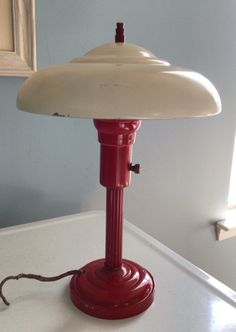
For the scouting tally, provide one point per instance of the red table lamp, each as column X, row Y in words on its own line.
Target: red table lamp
column 117, row 85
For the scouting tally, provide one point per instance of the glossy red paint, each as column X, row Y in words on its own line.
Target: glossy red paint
column 114, row 288
column 114, row 227
column 116, row 138
column 112, row 294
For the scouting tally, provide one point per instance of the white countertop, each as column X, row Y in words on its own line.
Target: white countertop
column 187, row 299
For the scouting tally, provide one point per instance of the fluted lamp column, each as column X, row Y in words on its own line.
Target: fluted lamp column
column 117, row 85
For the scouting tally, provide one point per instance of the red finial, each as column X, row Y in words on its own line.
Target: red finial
column 120, row 36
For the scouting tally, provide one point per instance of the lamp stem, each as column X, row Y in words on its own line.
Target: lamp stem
column 116, row 138
column 114, row 227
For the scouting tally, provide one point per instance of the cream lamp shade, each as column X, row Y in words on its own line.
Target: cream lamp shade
column 119, row 81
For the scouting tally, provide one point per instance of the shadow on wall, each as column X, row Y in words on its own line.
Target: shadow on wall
column 21, row 205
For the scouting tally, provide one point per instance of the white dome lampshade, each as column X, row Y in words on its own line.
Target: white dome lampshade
column 119, row 81
column 117, row 85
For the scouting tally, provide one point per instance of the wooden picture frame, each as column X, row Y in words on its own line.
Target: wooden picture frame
column 17, row 38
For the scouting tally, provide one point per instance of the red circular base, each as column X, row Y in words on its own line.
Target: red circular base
column 112, row 294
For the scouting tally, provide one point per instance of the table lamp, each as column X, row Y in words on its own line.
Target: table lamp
column 117, row 85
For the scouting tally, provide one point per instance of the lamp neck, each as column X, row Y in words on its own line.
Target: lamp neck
column 116, row 138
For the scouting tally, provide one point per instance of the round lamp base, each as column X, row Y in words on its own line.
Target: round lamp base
column 112, row 294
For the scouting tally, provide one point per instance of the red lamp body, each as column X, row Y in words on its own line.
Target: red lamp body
column 114, row 288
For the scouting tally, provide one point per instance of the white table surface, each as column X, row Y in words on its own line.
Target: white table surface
column 187, row 299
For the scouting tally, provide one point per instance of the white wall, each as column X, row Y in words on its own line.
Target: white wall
column 49, row 167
